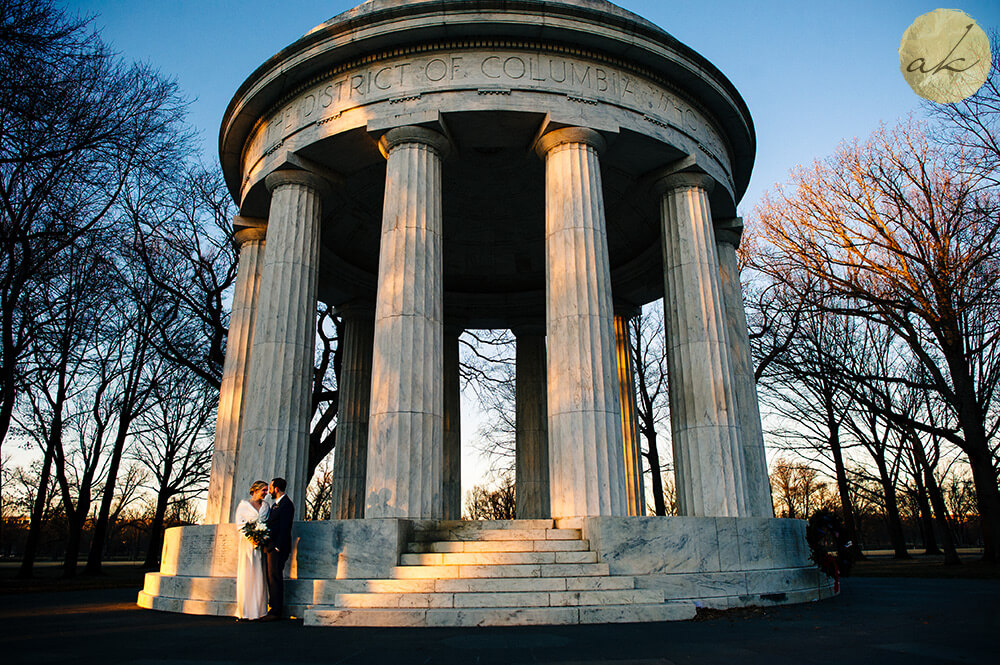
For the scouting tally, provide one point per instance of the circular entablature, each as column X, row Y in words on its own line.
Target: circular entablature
column 493, row 77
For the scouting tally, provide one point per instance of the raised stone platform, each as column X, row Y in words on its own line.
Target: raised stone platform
column 445, row 573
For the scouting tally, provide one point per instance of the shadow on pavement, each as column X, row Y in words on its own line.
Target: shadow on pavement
column 874, row 620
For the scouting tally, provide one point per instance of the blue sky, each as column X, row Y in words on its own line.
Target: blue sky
column 812, row 74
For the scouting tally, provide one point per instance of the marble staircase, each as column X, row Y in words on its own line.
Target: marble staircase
column 497, row 573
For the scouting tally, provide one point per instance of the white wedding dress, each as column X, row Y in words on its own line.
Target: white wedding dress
column 251, row 583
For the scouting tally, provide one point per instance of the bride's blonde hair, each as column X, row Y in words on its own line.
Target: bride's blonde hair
column 257, row 484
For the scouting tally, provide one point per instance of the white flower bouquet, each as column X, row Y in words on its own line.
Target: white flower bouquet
column 256, row 532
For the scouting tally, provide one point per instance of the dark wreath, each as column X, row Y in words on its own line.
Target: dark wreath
column 829, row 546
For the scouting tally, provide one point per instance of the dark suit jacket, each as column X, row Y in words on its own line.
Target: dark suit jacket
column 279, row 523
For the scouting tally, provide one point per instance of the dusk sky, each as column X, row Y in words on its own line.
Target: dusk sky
column 812, row 74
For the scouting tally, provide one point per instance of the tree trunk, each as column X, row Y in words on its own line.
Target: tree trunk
column 96, row 555
column 926, row 517
column 936, row 497
column 37, row 513
column 976, row 446
column 156, row 532
column 846, row 506
column 988, row 502
column 896, row 537
column 8, row 394
column 653, row 457
column 74, row 515
column 75, row 521
column 74, row 532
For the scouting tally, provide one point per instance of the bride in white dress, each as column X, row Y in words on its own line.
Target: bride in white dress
column 251, row 582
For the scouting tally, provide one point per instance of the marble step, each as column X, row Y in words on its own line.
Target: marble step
column 445, row 546
column 517, row 533
column 498, row 599
column 483, row 525
column 501, row 570
column 226, row 608
column 166, row 604
column 498, row 616
column 495, row 558
column 325, row 594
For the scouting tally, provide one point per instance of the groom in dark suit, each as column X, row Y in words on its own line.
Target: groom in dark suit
column 279, row 523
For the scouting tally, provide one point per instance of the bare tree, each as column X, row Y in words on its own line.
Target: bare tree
column 153, row 193
column 175, row 446
column 183, row 240
column 901, row 237
column 875, row 357
column 326, row 388
column 960, row 495
column 75, row 120
column 925, row 455
column 189, row 257
column 488, row 368
column 973, row 124
column 649, row 357
column 60, row 384
column 798, row 489
column 25, row 500
column 496, row 503
column 801, row 375
column 319, row 493
column 130, row 373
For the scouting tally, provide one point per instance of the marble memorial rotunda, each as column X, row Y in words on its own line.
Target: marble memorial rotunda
column 544, row 166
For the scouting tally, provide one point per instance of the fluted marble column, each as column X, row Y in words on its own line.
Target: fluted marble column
column 405, row 457
column 708, row 458
column 275, row 438
column 452, row 450
column 634, row 490
column 223, row 494
column 586, row 466
column 531, row 438
column 758, row 486
column 351, row 455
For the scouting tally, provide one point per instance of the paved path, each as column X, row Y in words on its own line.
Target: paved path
column 874, row 620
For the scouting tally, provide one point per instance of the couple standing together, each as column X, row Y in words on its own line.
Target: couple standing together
column 260, row 570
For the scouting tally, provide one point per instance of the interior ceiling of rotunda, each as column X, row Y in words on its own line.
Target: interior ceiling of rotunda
column 494, row 217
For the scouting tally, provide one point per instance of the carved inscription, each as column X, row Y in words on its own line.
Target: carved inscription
column 485, row 72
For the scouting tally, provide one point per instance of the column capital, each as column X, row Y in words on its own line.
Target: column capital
column 668, row 182
column 248, row 229
column 284, row 177
column 729, row 231
column 557, row 137
column 412, row 134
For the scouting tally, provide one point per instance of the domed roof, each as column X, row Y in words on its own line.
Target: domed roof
column 371, row 7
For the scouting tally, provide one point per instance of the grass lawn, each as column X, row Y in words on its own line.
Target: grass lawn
column 880, row 563
column 48, row 577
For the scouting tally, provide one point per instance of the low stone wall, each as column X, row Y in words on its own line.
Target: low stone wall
column 714, row 562
column 198, row 564
column 342, row 549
